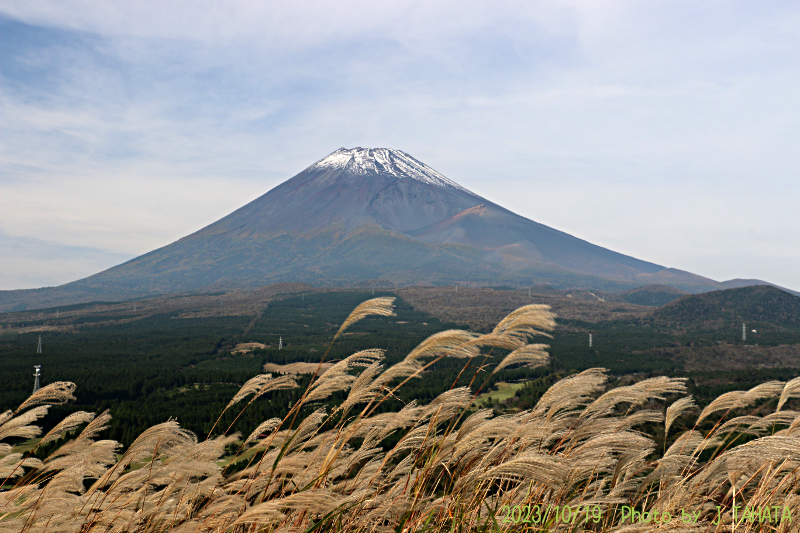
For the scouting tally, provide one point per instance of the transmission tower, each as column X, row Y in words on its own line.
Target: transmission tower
column 744, row 332
column 280, row 343
column 590, row 340
column 38, row 369
column 39, row 347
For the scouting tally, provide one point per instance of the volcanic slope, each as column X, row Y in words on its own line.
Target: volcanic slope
column 365, row 214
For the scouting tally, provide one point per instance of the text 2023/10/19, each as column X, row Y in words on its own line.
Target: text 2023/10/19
column 547, row 514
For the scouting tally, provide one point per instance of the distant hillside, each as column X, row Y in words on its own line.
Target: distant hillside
column 653, row 295
column 758, row 306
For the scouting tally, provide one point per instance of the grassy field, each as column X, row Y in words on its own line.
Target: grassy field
column 502, row 391
column 586, row 456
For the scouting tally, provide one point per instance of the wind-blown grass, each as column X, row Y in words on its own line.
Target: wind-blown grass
column 441, row 467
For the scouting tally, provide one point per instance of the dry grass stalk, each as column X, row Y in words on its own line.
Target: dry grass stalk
column 261, row 385
column 450, row 469
column 739, row 399
column 68, row 424
column 530, row 355
column 383, row 306
column 53, row 394
column 20, row 426
column 297, row 368
column 790, row 390
column 338, row 376
column 676, row 409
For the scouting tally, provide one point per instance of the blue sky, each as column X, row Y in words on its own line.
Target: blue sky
column 668, row 131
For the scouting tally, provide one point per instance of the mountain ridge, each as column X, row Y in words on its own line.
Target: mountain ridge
column 367, row 213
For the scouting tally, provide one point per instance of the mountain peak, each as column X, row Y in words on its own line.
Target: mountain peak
column 369, row 161
column 367, row 214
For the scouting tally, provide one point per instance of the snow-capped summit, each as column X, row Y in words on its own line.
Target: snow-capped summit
column 366, row 161
column 366, row 214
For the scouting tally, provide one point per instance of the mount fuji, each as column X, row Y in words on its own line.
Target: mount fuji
column 366, row 215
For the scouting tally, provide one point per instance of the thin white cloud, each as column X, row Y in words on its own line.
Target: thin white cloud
column 33, row 263
column 654, row 128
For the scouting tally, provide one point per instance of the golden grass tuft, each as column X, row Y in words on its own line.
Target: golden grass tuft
column 382, row 306
column 441, row 467
column 297, row 368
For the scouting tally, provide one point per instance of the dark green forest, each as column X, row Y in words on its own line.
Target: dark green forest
column 149, row 370
column 160, row 366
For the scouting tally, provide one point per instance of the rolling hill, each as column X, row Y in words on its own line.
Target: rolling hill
column 760, row 306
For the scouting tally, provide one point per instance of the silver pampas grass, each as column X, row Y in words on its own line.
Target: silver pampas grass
column 452, row 466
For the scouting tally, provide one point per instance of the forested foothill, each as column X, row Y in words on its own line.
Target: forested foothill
column 185, row 356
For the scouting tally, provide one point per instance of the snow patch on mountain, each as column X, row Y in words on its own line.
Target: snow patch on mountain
column 385, row 161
